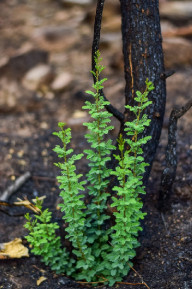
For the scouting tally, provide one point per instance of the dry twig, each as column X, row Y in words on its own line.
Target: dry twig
column 124, row 283
column 22, row 203
column 13, row 188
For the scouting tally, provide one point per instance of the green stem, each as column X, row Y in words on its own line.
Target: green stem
column 136, row 134
column 99, row 141
column 69, row 187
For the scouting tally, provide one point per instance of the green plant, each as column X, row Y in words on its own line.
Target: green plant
column 127, row 202
column 100, row 253
column 44, row 241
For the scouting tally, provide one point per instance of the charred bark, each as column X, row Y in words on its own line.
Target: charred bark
column 143, row 58
column 95, row 46
column 169, row 173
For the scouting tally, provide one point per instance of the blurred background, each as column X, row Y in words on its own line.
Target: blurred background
column 45, row 58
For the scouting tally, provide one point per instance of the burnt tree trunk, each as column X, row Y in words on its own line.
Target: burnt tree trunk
column 143, row 58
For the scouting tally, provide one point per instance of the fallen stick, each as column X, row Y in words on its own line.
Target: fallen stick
column 13, row 188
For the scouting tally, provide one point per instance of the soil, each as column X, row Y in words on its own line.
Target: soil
column 164, row 259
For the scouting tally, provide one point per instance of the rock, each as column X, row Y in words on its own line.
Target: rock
column 180, row 85
column 185, row 31
column 176, row 10
column 177, row 52
column 18, row 65
column 77, row 2
column 112, row 24
column 37, row 76
column 52, row 33
column 65, row 281
column 55, row 38
column 9, row 93
column 61, row 82
column 166, row 26
column 14, row 98
column 107, row 38
column 116, row 61
column 78, row 118
column 72, row 19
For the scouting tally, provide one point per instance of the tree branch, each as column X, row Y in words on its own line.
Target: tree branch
column 95, row 46
column 169, row 173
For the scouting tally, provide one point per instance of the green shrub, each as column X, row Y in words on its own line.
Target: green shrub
column 100, row 253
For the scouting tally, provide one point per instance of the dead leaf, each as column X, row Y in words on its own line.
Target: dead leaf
column 13, row 249
column 28, row 204
column 40, row 280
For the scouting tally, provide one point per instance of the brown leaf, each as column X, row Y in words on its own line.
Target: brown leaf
column 13, row 249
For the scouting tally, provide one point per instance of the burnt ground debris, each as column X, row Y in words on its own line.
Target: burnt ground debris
column 164, row 259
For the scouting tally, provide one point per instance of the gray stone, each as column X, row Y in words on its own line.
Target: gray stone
column 52, row 33
column 37, row 76
column 176, row 10
column 16, row 66
column 61, row 82
column 56, row 38
column 177, row 52
column 79, row 2
column 166, row 26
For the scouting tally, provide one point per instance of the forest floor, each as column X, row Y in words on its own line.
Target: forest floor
column 28, row 116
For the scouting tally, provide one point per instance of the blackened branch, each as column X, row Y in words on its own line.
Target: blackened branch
column 96, row 40
column 97, row 30
column 167, row 74
column 169, row 173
